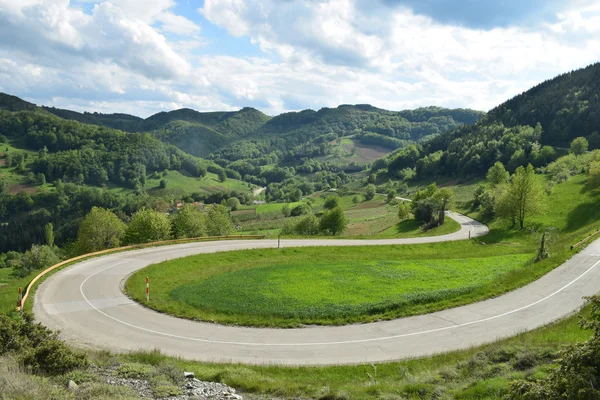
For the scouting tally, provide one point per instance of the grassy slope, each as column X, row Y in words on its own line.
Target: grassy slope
column 178, row 182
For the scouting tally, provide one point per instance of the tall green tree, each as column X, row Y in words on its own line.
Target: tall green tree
column 100, row 229
column 147, row 226
column 523, row 197
column 497, row 174
column 579, row 146
column 189, row 222
column 49, row 234
column 370, row 191
column 331, row 202
column 334, row 222
column 444, row 199
column 403, row 210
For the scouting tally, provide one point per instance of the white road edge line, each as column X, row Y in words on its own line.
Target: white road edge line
column 327, row 343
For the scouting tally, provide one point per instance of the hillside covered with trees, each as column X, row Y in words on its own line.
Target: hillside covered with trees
column 533, row 127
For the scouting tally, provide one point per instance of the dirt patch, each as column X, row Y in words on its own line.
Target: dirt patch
column 371, row 153
column 21, row 188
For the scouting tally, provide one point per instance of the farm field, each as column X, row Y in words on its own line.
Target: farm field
column 347, row 150
column 368, row 219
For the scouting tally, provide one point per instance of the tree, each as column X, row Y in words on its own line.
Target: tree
column 403, row 210
column 579, row 146
column 222, row 175
column 331, row 202
column 334, row 222
column 37, row 257
column 162, row 184
column 233, row 203
column 444, row 199
column 372, row 178
column 49, row 234
column 497, row 174
column 356, row 199
column 370, row 191
column 189, row 222
column 593, row 180
column 147, row 226
column 523, row 197
column 218, row 221
column 100, row 229
column 391, row 195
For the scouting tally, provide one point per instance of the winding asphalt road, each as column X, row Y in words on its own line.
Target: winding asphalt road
column 86, row 302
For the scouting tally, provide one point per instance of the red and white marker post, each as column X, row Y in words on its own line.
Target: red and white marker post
column 20, row 301
column 147, row 289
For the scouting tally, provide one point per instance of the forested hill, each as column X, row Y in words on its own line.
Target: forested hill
column 566, row 107
column 526, row 129
column 203, row 133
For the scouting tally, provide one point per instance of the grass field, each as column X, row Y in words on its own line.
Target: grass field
column 278, row 287
column 341, row 290
column 180, row 183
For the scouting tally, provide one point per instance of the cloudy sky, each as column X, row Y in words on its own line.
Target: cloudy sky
column 144, row 56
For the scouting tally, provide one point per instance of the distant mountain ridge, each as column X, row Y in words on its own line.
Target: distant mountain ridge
column 203, row 133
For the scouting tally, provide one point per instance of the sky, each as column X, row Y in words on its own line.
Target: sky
column 145, row 56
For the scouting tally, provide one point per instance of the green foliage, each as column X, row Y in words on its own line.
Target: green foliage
column 370, row 191
column 147, row 226
column 579, row 146
column 497, row 174
column 403, row 210
column 222, row 175
column 37, row 347
column 577, row 375
column 233, row 203
column 162, row 184
column 36, row 258
column 430, row 205
column 49, row 231
column 334, row 222
column 523, row 197
column 188, row 222
column 100, row 229
column 300, row 209
column 331, row 202
column 218, row 221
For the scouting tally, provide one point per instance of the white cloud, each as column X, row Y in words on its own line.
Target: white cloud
column 316, row 53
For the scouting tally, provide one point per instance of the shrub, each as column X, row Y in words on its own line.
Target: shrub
column 37, row 347
column 300, row 209
column 331, row 202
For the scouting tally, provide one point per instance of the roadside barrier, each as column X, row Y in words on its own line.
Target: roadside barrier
column 23, row 298
column 576, row 245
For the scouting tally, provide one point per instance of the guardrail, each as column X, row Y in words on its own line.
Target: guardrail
column 130, row 247
column 576, row 245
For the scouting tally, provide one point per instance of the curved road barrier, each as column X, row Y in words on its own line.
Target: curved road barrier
column 117, row 249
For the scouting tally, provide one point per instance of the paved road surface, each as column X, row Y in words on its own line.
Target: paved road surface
column 86, row 303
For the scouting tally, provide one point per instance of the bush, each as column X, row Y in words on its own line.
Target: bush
column 331, row 202
column 334, row 222
column 37, row 347
column 300, row 209
column 307, row 226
